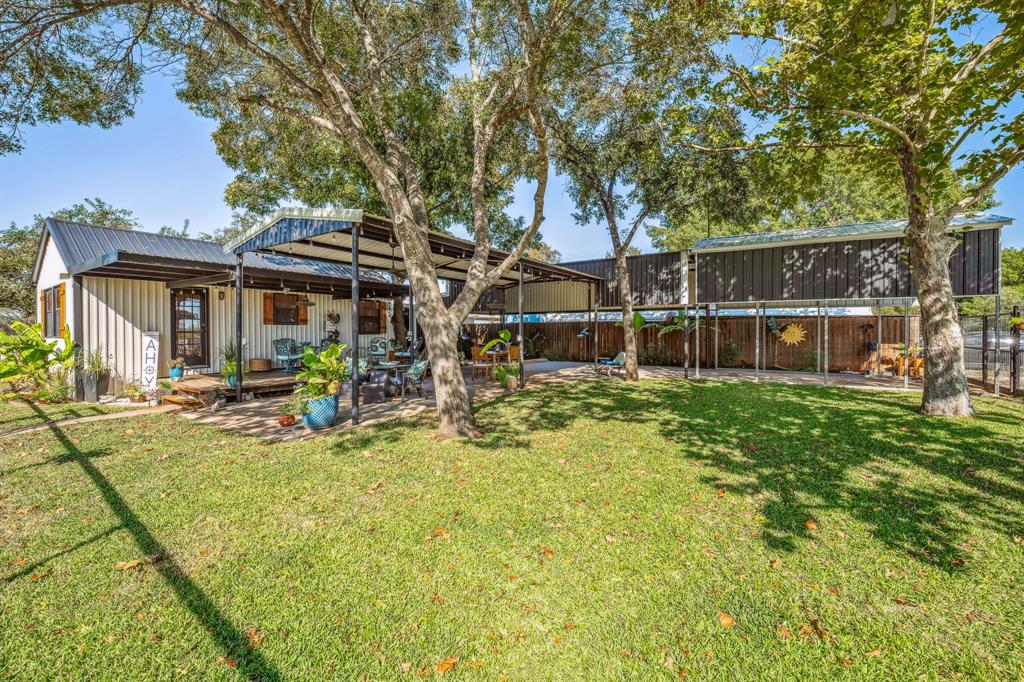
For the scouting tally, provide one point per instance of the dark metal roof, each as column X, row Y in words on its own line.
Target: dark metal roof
column 875, row 230
column 85, row 248
column 326, row 235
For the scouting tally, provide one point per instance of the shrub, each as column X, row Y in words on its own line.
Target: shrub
column 729, row 354
column 654, row 354
column 57, row 387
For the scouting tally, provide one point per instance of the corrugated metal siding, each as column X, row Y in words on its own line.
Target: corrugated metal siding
column 861, row 269
column 117, row 311
column 656, row 279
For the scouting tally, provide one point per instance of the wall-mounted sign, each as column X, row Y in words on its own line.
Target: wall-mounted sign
column 150, row 360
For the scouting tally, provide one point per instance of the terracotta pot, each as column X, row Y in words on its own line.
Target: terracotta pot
column 286, row 420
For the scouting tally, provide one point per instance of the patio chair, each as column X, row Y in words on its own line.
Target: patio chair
column 414, row 377
column 414, row 351
column 613, row 365
column 287, row 353
column 479, row 364
column 378, row 349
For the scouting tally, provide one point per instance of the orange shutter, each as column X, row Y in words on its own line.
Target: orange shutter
column 382, row 309
column 62, row 322
column 268, row 308
column 303, row 310
column 42, row 309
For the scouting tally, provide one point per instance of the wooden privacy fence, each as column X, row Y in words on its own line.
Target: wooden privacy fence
column 849, row 343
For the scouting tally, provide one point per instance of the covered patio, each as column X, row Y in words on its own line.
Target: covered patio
column 356, row 239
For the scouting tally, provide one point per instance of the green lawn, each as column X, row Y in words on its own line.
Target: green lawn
column 599, row 531
column 18, row 413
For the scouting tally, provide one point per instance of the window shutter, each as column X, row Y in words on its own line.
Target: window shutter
column 268, row 307
column 382, row 310
column 303, row 310
column 42, row 309
column 62, row 322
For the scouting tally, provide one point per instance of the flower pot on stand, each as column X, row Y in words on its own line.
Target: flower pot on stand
column 176, row 373
column 320, row 412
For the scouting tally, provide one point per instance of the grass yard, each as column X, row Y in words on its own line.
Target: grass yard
column 599, row 531
column 17, row 413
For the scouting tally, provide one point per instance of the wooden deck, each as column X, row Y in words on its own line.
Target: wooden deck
column 259, row 383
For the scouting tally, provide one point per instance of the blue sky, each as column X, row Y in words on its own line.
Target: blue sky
column 162, row 165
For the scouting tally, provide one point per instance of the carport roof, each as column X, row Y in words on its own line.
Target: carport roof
column 325, row 235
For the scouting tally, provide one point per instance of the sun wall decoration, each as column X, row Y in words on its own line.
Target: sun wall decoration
column 793, row 334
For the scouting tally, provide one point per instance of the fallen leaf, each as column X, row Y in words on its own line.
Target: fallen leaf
column 726, row 620
column 874, row 653
column 784, row 632
column 87, row 519
column 440, row 532
column 254, row 637
column 957, row 562
column 128, row 565
column 570, row 625
column 811, row 524
column 720, row 492
column 513, row 578
column 847, row 661
column 39, row 576
column 806, row 630
column 229, row 662
column 548, row 552
column 162, row 458
column 670, row 663
column 447, row 664
column 774, row 564
column 406, row 666
column 610, row 538
column 1018, row 539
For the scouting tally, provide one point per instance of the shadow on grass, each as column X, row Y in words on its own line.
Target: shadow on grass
column 222, row 631
column 920, row 484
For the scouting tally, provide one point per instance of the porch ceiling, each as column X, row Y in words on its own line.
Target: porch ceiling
column 326, row 235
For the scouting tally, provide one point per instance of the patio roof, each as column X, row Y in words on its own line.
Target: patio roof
column 326, row 235
column 181, row 262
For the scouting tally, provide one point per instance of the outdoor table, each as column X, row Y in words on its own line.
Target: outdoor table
column 389, row 369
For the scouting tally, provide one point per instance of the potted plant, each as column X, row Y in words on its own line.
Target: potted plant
column 134, row 392
column 503, row 374
column 176, row 368
column 323, row 374
column 293, row 406
column 229, row 372
column 95, row 375
column 1017, row 325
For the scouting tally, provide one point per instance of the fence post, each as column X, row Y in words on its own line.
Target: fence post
column 757, row 342
column 984, row 351
column 696, row 350
column 906, row 344
column 825, row 381
column 716, row 337
column 999, row 302
column 1016, row 353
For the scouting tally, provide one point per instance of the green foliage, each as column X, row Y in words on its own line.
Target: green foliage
column 323, row 371
column 503, row 374
column 654, row 354
column 729, row 354
column 504, row 338
column 93, row 363
column 27, row 358
column 1013, row 267
column 56, row 386
column 637, row 323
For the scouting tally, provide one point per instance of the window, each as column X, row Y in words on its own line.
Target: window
column 285, row 309
column 370, row 317
column 188, row 334
column 51, row 303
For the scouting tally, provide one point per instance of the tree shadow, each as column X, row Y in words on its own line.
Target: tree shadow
column 804, row 451
column 222, row 631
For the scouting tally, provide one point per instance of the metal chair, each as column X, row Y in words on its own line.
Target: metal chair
column 286, row 352
column 414, row 377
column 378, row 349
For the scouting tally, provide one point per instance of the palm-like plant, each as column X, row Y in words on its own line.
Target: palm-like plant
column 687, row 326
column 26, row 355
column 638, row 323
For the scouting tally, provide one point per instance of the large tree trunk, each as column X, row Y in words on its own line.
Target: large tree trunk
column 931, row 245
column 632, row 372
column 454, row 410
column 398, row 320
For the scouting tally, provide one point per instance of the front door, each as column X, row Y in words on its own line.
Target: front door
column 189, row 337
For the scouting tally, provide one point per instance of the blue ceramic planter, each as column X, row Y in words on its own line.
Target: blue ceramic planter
column 176, row 373
column 232, row 380
column 321, row 413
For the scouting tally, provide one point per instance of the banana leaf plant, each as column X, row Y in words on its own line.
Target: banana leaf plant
column 638, row 323
column 686, row 326
column 27, row 357
column 323, row 372
column 504, row 337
